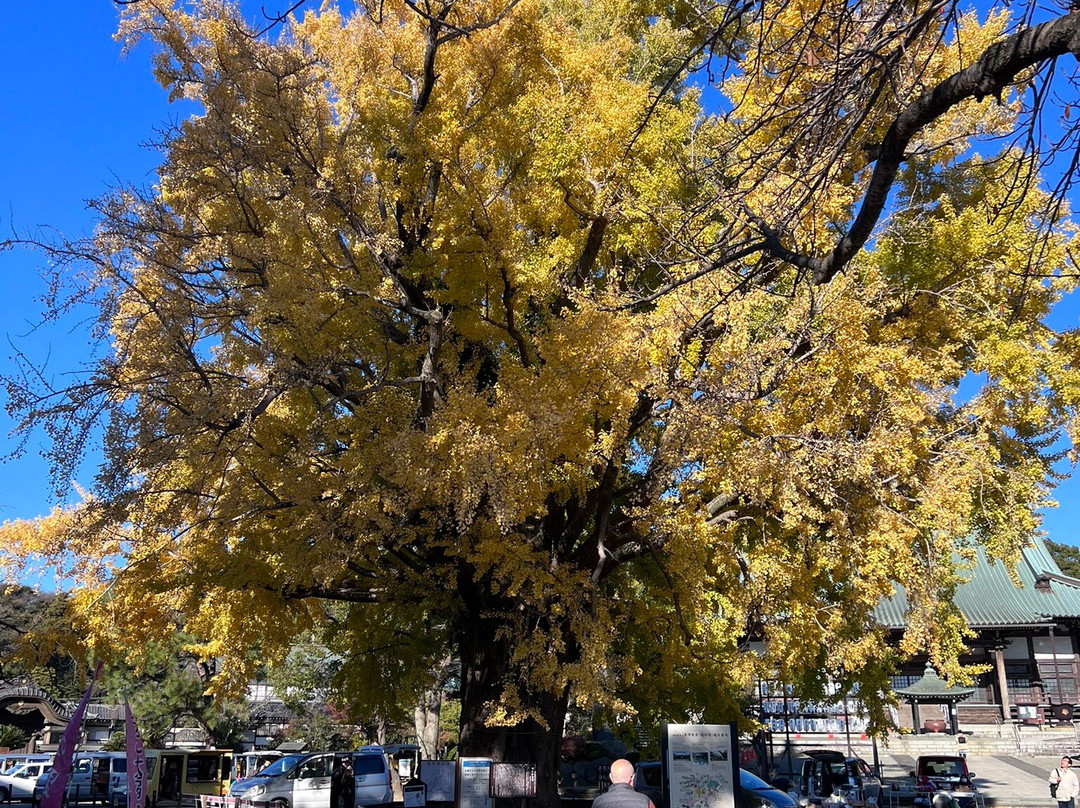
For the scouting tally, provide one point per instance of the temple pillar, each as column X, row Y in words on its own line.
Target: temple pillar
column 1003, row 684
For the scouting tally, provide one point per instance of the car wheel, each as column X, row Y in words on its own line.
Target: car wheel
column 5, row 795
column 279, row 803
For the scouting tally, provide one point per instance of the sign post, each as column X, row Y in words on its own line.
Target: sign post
column 700, row 764
column 439, row 776
column 414, row 794
column 474, row 783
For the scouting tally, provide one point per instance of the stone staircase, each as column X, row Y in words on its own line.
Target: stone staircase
column 980, row 741
column 1005, row 739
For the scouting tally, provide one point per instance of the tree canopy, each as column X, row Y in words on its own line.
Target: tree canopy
column 492, row 322
column 36, row 641
column 1066, row 556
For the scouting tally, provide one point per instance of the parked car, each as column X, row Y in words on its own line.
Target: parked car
column 248, row 764
column 11, row 760
column 375, row 778
column 18, row 783
column 831, row 776
column 94, row 775
column 759, row 794
column 946, row 775
column 318, row 780
column 648, row 779
column 272, row 782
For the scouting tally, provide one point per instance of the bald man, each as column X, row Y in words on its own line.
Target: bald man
column 622, row 794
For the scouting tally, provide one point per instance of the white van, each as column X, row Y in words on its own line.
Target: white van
column 322, row 780
column 94, row 776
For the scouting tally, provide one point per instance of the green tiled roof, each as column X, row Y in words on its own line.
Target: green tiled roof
column 990, row 599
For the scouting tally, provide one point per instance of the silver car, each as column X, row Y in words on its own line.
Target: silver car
column 322, row 780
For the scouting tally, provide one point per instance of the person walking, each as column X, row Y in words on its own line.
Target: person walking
column 622, row 794
column 1064, row 785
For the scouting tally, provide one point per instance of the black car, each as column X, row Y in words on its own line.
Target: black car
column 829, row 775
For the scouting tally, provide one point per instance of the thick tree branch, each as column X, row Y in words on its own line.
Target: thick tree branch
column 343, row 594
column 998, row 66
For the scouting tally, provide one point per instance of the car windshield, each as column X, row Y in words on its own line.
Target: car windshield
column 281, row 765
column 751, row 781
column 649, row 775
column 942, row 767
column 765, row 793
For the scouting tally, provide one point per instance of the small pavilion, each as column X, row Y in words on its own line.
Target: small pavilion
column 931, row 689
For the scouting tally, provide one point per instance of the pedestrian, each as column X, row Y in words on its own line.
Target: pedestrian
column 622, row 794
column 1064, row 785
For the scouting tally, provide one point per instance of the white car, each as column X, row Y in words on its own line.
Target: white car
column 13, row 760
column 18, row 784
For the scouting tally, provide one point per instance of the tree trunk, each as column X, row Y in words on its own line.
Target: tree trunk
column 485, row 667
column 426, row 723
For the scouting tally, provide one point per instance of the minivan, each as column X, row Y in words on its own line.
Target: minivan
column 322, row 780
column 94, row 775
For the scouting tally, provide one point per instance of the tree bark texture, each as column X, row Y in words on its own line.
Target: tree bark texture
column 486, row 649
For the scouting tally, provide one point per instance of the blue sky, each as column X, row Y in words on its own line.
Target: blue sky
column 74, row 115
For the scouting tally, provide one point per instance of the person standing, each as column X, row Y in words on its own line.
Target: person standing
column 1066, row 782
column 622, row 794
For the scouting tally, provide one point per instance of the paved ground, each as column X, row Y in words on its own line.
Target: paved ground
column 1004, row 781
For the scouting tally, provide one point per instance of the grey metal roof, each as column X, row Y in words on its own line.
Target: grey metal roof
column 102, row 712
column 989, row 598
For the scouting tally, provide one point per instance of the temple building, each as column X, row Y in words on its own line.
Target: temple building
column 1027, row 635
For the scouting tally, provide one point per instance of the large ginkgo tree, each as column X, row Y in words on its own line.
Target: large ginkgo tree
column 592, row 344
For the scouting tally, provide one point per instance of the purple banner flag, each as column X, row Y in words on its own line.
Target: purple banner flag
column 56, row 783
column 136, row 762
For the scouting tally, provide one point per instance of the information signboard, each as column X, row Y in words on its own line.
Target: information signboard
column 439, row 776
column 513, row 780
column 414, row 794
column 701, row 765
column 474, row 783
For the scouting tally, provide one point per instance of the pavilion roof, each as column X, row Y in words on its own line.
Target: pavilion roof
column 931, row 688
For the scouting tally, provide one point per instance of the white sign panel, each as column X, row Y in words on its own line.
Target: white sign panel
column 701, row 762
column 474, row 782
column 438, row 776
